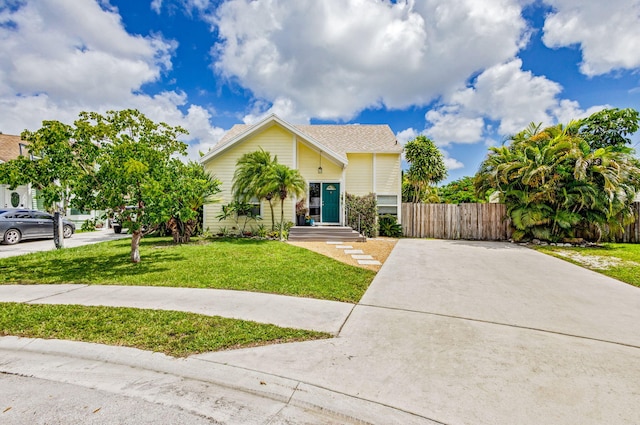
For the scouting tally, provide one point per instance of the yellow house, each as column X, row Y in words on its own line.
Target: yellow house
column 333, row 159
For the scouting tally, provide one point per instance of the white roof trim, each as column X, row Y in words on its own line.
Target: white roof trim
column 266, row 122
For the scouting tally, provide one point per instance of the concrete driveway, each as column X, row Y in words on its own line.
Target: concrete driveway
column 78, row 239
column 450, row 332
column 462, row 332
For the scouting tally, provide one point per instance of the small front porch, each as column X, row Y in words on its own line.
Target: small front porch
column 325, row 233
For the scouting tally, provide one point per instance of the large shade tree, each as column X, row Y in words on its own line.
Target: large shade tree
column 134, row 169
column 426, row 168
column 556, row 185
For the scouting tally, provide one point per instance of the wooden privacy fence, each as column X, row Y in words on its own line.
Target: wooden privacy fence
column 486, row 222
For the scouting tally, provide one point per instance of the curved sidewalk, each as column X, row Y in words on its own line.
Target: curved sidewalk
column 280, row 310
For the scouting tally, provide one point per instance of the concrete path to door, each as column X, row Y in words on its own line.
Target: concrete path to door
column 450, row 332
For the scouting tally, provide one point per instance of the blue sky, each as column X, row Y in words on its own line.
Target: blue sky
column 467, row 73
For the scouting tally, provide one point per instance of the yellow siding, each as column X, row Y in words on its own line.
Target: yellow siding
column 308, row 162
column 388, row 174
column 274, row 140
column 360, row 174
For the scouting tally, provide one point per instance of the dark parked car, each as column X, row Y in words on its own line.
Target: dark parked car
column 17, row 225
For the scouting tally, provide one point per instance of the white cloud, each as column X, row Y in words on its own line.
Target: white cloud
column 333, row 58
column 282, row 107
column 507, row 95
column 406, row 135
column 449, row 125
column 607, row 32
column 451, row 163
column 156, row 5
column 61, row 57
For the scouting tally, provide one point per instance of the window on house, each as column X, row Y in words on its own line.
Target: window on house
column 388, row 204
column 254, row 208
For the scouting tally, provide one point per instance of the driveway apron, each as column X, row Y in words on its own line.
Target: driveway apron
column 459, row 332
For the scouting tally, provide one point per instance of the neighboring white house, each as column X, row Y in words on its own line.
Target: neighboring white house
column 11, row 147
column 24, row 196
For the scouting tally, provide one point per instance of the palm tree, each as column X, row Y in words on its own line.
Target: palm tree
column 553, row 183
column 426, row 167
column 285, row 182
column 249, row 179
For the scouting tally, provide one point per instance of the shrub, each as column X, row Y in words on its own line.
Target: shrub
column 362, row 213
column 389, row 226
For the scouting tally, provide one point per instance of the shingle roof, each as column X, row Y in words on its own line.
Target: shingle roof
column 10, row 147
column 354, row 138
column 343, row 139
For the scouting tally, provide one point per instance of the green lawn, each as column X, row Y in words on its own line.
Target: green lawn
column 240, row 264
column 620, row 261
column 170, row 332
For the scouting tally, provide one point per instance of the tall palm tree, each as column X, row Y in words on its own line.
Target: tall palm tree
column 285, row 182
column 250, row 178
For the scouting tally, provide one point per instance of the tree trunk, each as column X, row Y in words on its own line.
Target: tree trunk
column 282, row 220
column 135, row 246
column 273, row 220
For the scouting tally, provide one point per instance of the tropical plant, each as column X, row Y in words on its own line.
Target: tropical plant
column 192, row 187
column 428, row 195
column 460, row 191
column 609, row 127
column 249, row 179
column 555, row 186
column 426, row 166
column 284, row 182
column 240, row 212
column 389, row 226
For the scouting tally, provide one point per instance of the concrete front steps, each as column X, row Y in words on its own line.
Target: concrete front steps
column 325, row 233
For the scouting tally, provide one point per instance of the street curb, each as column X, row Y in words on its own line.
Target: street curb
column 279, row 389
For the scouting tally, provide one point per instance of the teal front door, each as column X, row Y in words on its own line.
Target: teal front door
column 330, row 202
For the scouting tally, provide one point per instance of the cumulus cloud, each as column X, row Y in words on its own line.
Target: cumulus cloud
column 451, row 163
column 406, row 135
column 606, row 44
column 61, row 57
column 450, row 125
column 334, row 58
column 282, row 107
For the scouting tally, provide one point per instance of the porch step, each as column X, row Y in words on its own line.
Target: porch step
column 325, row 233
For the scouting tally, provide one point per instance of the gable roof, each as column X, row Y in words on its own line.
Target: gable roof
column 333, row 140
column 10, row 147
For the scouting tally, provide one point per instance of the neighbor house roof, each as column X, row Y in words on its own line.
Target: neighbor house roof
column 10, row 147
column 332, row 139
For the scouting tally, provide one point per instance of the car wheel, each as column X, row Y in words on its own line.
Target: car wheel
column 12, row 236
column 67, row 231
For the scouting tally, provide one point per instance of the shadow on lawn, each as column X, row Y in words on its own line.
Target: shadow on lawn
column 87, row 266
column 109, row 263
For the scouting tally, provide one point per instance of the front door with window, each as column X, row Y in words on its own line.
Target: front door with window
column 330, row 202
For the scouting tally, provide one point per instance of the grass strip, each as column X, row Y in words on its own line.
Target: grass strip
column 174, row 333
column 616, row 260
column 240, row 264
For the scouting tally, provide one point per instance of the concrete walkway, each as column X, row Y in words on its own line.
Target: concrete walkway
column 77, row 239
column 450, row 332
column 292, row 312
